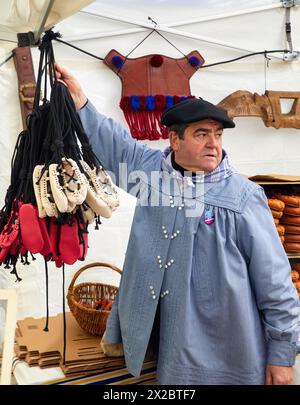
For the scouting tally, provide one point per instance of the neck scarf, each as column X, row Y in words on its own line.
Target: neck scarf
column 222, row 171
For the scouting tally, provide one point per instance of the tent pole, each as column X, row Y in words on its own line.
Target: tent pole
column 41, row 26
column 95, row 35
column 197, row 20
column 162, row 29
column 169, row 30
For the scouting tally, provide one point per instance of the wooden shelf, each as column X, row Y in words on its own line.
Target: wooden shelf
column 293, row 256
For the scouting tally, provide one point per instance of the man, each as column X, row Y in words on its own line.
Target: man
column 217, row 280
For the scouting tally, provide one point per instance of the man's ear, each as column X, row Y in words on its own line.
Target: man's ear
column 174, row 140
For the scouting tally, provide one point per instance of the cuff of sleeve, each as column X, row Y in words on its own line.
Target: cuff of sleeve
column 281, row 353
column 87, row 111
column 84, row 105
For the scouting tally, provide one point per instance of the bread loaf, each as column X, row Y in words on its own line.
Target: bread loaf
column 276, row 221
column 275, row 204
column 292, row 229
column 277, row 214
column 290, row 220
column 291, row 200
column 295, row 275
column 289, row 237
column 280, row 230
column 291, row 247
column 294, row 211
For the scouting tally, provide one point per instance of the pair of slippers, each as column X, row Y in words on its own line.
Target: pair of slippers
column 9, row 236
column 58, row 189
column 64, row 243
column 24, row 232
column 63, row 187
column 69, row 241
column 102, row 196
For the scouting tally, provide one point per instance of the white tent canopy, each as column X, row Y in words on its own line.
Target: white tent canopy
column 33, row 15
column 219, row 30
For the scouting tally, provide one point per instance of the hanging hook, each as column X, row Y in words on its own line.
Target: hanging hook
column 153, row 22
column 267, row 58
column 266, row 65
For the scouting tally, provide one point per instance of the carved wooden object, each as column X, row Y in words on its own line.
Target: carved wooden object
column 243, row 103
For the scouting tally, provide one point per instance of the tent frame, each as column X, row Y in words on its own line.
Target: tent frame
column 168, row 29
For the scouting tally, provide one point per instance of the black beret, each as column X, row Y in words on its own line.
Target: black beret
column 195, row 109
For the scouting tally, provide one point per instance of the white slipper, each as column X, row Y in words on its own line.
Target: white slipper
column 75, row 187
column 97, row 198
column 37, row 190
column 59, row 196
column 47, row 197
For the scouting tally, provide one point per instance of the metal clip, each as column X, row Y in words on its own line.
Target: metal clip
column 290, row 3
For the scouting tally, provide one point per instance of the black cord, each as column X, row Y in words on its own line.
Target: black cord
column 244, row 56
column 203, row 66
column 7, row 59
column 47, row 296
column 8, row 40
column 79, row 49
column 64, row 317
column 150, row 33
column 166, row 39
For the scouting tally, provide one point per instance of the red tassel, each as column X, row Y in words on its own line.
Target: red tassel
column 129, row 116
column 155, row 126
column 161, row 127
column 136, row 124
column 147, row 125
column 125, row 104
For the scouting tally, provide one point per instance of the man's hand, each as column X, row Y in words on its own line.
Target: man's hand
column 279, row 375
column 73, row 85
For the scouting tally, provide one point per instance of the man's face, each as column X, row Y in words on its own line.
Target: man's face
column 201, row 148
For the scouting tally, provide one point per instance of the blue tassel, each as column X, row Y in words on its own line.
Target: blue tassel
column 135, row 102
column 169, row 101
column 117, row 61
column 150, row 104
column 194, row 61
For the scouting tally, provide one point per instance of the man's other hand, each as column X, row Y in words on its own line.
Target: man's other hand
column 279, row 375
column 66, row 77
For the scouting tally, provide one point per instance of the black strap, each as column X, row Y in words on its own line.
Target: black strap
column 288, row 28
column 47, row 296
column 64, row 317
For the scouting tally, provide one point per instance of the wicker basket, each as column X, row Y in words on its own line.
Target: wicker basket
column 83, row 297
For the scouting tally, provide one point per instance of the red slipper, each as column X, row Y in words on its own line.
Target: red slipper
column 15, row 247
column 10, row 231
column 47, row 248
column 3, row 253
column 30, row 228
column 54, row 232
column 69, row 245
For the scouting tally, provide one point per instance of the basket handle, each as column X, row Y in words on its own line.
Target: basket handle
column 88, row 266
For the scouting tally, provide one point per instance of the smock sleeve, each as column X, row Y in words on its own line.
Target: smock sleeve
column 270, row 276
column 114, row 145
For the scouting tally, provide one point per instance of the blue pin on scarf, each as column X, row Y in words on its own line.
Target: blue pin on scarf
column 209, row 217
